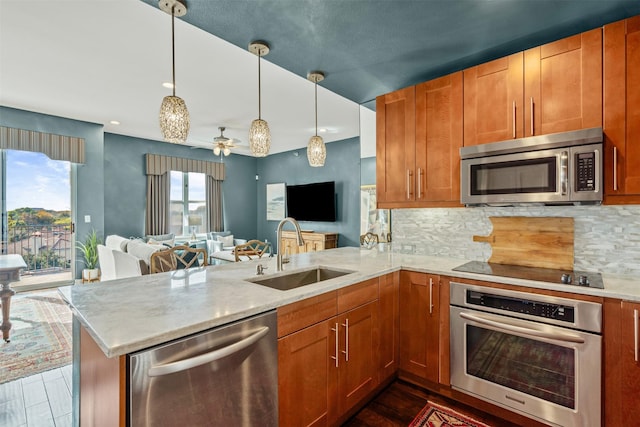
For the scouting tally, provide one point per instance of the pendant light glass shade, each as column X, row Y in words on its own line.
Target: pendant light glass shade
column 316, row 150
column 174, row 119
column 259, row 138
column 174, row 116
column 259, row 134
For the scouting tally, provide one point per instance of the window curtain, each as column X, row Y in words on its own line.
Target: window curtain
column 157, row 221
column 214, row 204
column 56, row 147
column 158, row 168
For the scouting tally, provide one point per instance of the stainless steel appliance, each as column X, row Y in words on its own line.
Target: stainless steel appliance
column 224, row 377
column 533, row 354
column 561, row 168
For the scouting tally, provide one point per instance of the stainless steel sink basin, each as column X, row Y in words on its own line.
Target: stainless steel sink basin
column 285, row 282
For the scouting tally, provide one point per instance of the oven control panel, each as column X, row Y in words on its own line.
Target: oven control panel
column 561, row 312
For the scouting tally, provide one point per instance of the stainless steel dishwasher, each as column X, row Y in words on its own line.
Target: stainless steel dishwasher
column 227, row 376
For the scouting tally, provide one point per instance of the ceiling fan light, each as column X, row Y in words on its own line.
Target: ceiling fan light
column 259, row 138
column 216, row 151
column 174, row 119
column 226, row 151
column 316, row 151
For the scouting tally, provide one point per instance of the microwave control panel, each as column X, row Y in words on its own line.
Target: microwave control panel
column 561, row 312
column 585, row 171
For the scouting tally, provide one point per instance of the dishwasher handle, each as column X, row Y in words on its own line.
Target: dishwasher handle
column 192, row 362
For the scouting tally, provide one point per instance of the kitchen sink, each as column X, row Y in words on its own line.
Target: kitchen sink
column 287, row 281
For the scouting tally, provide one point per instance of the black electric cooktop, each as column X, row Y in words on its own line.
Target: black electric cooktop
column 562, row 277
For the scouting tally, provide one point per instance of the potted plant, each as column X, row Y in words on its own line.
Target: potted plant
column 89, row 250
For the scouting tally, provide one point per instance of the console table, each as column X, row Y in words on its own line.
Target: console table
column 313, row 241
column 10, row 266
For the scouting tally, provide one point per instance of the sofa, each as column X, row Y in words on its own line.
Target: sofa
column 137, row 248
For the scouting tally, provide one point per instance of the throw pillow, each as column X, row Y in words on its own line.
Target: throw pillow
column 160, row 239
column 226, row 240
column 187, row 259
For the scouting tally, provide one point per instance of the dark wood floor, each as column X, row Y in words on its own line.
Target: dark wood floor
column 400, row 402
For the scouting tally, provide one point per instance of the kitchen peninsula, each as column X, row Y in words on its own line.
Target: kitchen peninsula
column 125, row 316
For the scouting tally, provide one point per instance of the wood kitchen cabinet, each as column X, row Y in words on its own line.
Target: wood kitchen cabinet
column 622, row 111
column 313, row 242
column 621, row 362
column 551, row 88
column 420, row 325
column 419, row 134
column 389, row 325
column 438, row 141
column 328, row 366
column 395, row 147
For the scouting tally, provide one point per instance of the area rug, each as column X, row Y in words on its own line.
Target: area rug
column 40, row 335
column 434, row 415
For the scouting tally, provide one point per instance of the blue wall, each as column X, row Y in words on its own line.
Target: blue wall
column 342, row 166
column 368, row 171
column 125, row 193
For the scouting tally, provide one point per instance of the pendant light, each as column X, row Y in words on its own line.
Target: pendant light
column 174, row 116
column 316, row 150
column 259, row 135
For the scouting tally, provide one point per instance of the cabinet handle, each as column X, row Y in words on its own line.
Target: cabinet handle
column 336, row 358
column 409, row 184
column 419, row 183
column 532, row 115
column 615, row 168
column 635, row 334
column 430, row 295
column 346, row 340
column 514, row 119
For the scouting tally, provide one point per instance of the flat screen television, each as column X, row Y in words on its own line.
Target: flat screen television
column 312, row 202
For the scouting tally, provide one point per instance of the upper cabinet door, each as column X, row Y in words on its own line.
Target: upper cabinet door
column 493, row 97
column 395, row 146
column 438, row 139
column 563, row 85
column 622, row 111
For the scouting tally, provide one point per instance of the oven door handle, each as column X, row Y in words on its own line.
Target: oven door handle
column 186, row 364
column 479, row 318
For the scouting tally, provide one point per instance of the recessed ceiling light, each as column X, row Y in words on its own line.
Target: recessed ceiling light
column 114, row 122
column 322, row 130
column 168, row 85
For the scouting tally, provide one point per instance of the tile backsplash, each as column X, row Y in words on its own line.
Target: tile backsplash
column 606, row 238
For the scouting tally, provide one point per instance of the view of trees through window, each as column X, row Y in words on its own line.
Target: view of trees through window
column 188, row 206
column 37, row 212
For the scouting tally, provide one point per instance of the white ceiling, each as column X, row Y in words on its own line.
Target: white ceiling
column 103, row 60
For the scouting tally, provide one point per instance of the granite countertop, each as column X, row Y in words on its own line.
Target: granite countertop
column 127, row 315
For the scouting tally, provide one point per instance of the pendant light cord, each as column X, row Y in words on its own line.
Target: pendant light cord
column 259, row 87
column 173, row 48
column 316, row 100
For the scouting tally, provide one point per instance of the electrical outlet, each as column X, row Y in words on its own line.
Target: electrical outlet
column 87, row 219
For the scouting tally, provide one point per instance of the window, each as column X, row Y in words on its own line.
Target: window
column 188, row 203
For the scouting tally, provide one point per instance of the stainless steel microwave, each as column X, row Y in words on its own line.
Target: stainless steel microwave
column 555, row 169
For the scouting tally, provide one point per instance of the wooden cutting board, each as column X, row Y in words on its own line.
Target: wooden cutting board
column 545, row 242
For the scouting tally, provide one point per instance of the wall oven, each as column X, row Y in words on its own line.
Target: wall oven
column 533, row 354
column 562, row 168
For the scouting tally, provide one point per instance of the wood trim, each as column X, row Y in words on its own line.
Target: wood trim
column 357, row 294
column 612, row 362
column 298, row 315
column 102, row 386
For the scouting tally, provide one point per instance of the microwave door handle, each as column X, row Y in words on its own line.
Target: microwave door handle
column 192, row 362
column 485, row 320
column 564, row 175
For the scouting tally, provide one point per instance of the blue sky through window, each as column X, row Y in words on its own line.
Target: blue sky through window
column 36, row 181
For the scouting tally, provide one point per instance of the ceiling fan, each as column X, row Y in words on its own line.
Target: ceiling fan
column 222, row 144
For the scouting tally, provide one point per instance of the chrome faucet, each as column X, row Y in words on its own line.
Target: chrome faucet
column 279, row 238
